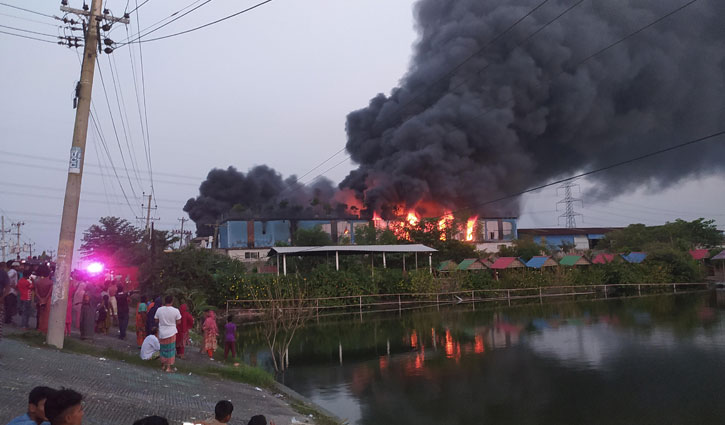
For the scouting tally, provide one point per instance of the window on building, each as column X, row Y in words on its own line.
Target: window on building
column 251, row 255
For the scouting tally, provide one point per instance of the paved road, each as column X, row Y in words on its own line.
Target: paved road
column 118, row 393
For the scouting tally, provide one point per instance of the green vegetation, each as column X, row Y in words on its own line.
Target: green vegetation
column 679, row 235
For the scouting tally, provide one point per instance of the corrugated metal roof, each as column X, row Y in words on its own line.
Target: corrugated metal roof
column 465, row 264
column 308, row 250
column 699, row 254
column 634, row 257
column 720, row 256
column 539, row 262
column 603, row 258
column 572, row 260
column 507, row 262
column 567, row 232
column 472, row 264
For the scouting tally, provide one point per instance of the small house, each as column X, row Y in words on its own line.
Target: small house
column 574, row 260
column 507, row 263
column 540, row 262
column 473, row 264
column 447, row 266
column 699, row 254
column 634, row 257
column 603, row 258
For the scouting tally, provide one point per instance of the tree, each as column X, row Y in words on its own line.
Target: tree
column 680, row 234
column 312, row 237
column 524, row 248
column 113, row 239
column 285, row 309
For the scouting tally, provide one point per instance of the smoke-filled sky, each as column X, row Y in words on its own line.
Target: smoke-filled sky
column 287, row 85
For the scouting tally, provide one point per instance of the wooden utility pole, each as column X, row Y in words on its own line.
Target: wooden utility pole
column 18, row 247
column 69, row 220
column 3, row 243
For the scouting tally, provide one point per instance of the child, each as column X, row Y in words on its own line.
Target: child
column 230, row 338
column 102, row 316
column 210, row 333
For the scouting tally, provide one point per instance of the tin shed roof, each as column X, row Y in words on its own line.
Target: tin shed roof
column 540, row 261
column 699, row 254
column 574, row 260
column 720, row 256
column 634, row 257
column 603, row 258
column 507, row 263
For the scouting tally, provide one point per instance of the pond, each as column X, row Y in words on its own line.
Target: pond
column 650, row 360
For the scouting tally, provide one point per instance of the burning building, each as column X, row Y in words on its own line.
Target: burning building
column 251, row 239
column 499, row 98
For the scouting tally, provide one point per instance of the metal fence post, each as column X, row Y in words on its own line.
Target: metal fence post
column 674, row 288
column 399, row 305
column 438, row 307
column 361, row 308
column 639, row 290
column 508, row 295
column 541, row 298
column 317, row 308
column 473, row 299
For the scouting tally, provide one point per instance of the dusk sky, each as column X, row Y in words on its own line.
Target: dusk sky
column 272, row 86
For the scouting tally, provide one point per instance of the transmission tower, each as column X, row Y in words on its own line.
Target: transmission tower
column 569, row 201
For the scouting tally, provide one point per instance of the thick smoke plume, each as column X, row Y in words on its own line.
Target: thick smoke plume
column 261, row 192
column 524, row 111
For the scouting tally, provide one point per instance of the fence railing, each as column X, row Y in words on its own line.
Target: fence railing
column 381, row 303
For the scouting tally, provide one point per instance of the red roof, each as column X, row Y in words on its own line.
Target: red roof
column 505, row 262
column 603, row 258
column 699, row 254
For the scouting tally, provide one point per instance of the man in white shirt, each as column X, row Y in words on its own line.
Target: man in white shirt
column 167, row 317
column 151, row 347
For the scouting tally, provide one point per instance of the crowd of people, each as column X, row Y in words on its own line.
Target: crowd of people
column 47, row 406
column 25, row 289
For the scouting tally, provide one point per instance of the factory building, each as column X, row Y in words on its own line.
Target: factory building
column 250, row 240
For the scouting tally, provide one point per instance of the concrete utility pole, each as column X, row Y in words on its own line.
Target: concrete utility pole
column 148, row 215
column 18, row 247
column 69, row 221
column 3, row 244
column 181, row 233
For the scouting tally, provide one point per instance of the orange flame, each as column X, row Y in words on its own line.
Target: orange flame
column 412, row 218
column 471, row 227
column 445, row 223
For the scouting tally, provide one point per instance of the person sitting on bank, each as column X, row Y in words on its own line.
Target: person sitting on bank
column 151, row 347
column 64, row 407
column 36, row 408
column 222, row 413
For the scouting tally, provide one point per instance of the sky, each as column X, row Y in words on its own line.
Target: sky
column 271, row 86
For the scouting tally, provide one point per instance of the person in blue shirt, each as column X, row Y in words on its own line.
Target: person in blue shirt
column 36, row 408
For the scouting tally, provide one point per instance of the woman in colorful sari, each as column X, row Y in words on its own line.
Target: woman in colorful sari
column 150, row 321
column 141, row 321
column 183, row 328
column 210, row 334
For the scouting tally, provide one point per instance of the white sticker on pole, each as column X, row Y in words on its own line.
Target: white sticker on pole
column 74, row 167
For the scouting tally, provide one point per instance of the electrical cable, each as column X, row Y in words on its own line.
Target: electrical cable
column 28, row 20
column 115, row 131
column 200, row 26
column 27, row 10
column 128, row 37
column 145, row 111
column 29, row 31
column 138, row 39
column 28, row 37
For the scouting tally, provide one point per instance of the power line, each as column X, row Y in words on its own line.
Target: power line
column 139, row 35
column 145, row 111
column 29, row 31
column 138, row 6
column 27, row 10
column 28, row 37
column 28, row 20
column 128, row 37
column 202, row 26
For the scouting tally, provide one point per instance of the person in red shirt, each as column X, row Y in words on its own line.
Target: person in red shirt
column 25, row 288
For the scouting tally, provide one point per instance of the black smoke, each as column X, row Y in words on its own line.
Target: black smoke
column 261, row 193
column 524, row 113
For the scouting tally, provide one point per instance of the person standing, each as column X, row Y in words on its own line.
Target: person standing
column 87, row 318
column 211, row 331
column 230, row 338
column 150, row 321
column 11, row 300
column 183, row 328
column 25, row 291
column 43, row 290
column 141, row 312
column 78, row 302
column 4, row 280
column 122, row 310
column 113, row 307
column 167, row 318
column 72, row 289
column 102, row 316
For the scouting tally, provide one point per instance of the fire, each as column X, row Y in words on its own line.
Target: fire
column 378, row 221
column 445, row 223
column 412, row 218
column 471, row 227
